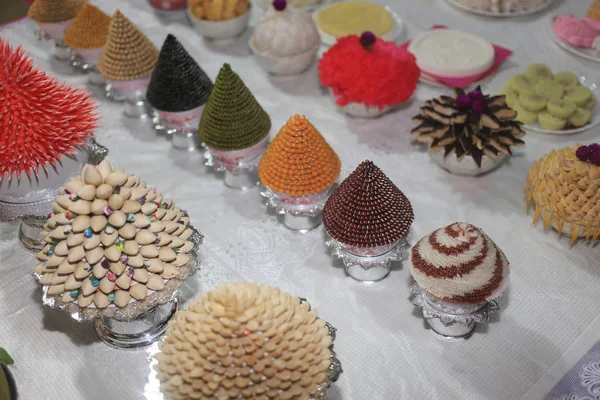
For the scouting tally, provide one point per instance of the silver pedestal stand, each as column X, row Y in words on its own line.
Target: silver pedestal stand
column 451, row 320
column 31, row 199
column 300, row 214
column 239, row 166
column 368, row 265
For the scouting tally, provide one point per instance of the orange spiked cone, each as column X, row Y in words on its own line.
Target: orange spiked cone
column 89, row 29
column 299, row 162
column 128, row 54
column 41, row 119
column 54, row 11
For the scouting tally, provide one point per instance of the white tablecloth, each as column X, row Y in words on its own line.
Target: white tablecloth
column 386, row 351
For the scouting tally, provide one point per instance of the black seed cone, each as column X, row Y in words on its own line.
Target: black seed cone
column 232, row 118
column 178, row 83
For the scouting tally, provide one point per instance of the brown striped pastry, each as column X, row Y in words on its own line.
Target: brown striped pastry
column 470, row 124
column 460, row 264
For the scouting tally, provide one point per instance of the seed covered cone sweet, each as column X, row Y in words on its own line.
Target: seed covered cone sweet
column 299, row 162
column 564, row 192
column 367, row 209
column 461, row 264
column 232, row 118
column 178, row 83
column 470, row 124
column 128, row 54
column 245, row 341
column 112, row 241
column 54, row 11
column 88, row 30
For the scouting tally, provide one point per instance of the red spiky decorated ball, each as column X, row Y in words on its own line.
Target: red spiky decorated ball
column 40, row 119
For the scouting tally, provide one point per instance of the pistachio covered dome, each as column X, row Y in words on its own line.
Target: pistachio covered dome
column 112, row 241
column 245, row 341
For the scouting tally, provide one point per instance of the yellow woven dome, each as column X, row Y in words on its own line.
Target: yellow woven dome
column 565, row 193
column 594, row 10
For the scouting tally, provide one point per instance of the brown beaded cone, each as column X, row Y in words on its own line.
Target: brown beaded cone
column 128, row 54
column 367, row 209
column 244, row 341
column 88, row 30
column 112, row 241
column 565, row 194
column 54, row 11
column 299, row 162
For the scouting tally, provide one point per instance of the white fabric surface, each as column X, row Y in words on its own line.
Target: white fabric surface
column 384, row 347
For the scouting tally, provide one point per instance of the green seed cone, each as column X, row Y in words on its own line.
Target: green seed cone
column 232, row 118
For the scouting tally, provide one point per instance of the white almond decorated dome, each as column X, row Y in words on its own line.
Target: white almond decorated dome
column 461, row 264
column 284, row 31
column 112, row 241
column 245, row 341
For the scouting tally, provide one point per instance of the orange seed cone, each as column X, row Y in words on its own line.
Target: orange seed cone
column 88, row 30
column 299, row 162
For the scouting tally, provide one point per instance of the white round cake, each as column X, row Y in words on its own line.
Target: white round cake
column 451, row 53
column 502, row 6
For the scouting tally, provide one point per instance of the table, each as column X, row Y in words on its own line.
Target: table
column 385, row 349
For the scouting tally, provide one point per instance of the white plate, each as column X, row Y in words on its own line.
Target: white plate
column 323, row 3
column 595, row 88
column 589, row 54
column 430, row 80
column 391, row 36
column 536, row 10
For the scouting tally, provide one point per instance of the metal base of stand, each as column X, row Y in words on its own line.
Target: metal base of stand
column 139, row 333
column 183, row 140
column 300, row 223
column 242, row 179
column 454, row 331
column 62, row 52
column 371, row 275
column 95, row 78
column 30, row 231
column 136, row 108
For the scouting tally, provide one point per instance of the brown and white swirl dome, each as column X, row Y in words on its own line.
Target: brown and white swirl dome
column 461, row 264
column 245, row 341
